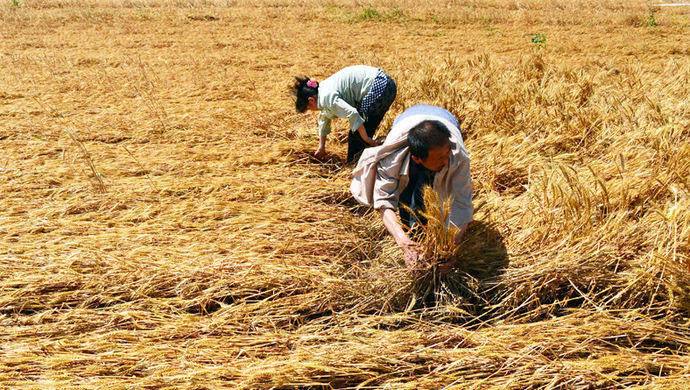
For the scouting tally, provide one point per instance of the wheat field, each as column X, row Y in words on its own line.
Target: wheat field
column 163, row 224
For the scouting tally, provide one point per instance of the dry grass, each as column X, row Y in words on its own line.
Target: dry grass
column 163, row 226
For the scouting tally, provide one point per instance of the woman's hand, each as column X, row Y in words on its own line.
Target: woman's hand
column 321, row 150
column 373, row 142
column 320, row 153
column 365, row 137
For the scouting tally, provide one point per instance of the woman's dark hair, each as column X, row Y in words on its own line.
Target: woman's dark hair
column 427, row 135
column 302, row 92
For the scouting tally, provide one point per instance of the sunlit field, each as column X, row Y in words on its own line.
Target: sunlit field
column 163, row 223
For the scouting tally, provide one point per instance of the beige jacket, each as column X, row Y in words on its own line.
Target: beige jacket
column 381, row 174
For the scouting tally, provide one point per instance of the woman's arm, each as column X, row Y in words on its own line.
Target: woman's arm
column 365, row 137
column 343, row 110
column 324, row 128
column 321, row 150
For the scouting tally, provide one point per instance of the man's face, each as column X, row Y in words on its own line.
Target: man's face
column 437, row 159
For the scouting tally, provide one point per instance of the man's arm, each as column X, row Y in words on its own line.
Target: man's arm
column 462, row 211
column 410, row 248
column 386, row 194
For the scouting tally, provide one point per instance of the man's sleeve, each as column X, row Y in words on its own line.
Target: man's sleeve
column 344, row 110
column 462, row 209
column 386, row 194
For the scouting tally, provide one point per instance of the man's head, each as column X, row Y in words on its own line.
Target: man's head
column 429, row 143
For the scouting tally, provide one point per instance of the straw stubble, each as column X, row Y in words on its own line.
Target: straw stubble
column 181, row 236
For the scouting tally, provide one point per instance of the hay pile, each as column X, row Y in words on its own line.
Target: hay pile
column 163, row 224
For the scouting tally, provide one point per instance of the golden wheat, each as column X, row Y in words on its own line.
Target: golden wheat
column 162, row 224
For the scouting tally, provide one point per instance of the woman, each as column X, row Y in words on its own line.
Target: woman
column 362, row 94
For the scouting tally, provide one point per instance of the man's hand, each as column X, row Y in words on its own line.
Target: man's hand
column 457, row 240
column 410, row 248
column 411, row 253
column 446, row 267
column 460, row 234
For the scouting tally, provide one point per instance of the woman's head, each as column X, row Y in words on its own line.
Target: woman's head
column 305, row 91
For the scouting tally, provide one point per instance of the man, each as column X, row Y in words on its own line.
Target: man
column 424, row 147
